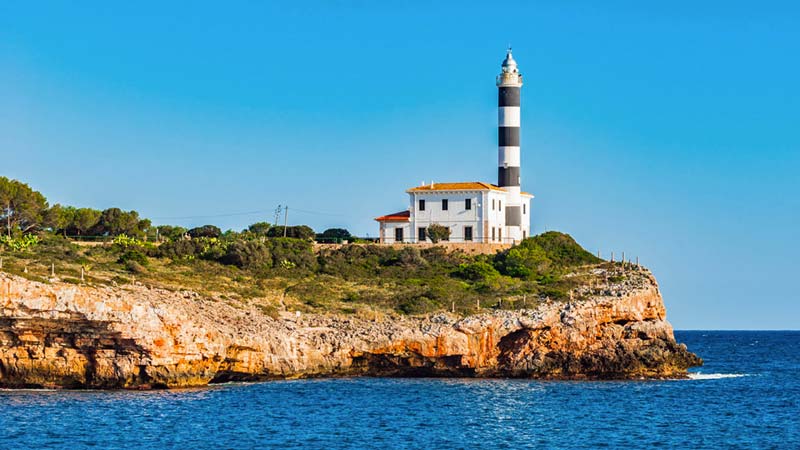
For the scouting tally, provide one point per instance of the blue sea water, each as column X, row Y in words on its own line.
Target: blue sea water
column 746, row 396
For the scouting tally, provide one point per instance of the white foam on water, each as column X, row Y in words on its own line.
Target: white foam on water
column 715, row 376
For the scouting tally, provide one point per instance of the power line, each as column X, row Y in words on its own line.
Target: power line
column 318, row 213
column 246, row 213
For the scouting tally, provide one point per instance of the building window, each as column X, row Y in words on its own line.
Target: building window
column 500, row 234
column 467, row 233
column 398, row 234
column 523, row 208
column 422, row 205
column 468, row 203
column 492, row 204
column 444, row 204
column 421, row 234
column 524, row 234
column 499, row 205
column 493, row 235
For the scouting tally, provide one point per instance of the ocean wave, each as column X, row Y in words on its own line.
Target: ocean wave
column 715, row 376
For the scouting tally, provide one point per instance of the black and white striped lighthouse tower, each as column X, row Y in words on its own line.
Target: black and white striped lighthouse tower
column 509, row 83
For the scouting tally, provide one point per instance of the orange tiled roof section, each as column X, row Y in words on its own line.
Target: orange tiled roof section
column 401, row 216
column 465, row 186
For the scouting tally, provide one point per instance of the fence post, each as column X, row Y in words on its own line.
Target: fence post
column 82, row 279
column 478, row 303
column 453, row 307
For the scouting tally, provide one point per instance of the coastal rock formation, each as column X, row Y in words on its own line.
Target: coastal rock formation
column 66, row 335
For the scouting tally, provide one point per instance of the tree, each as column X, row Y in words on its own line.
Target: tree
column 84, row 220
column 259, row 228
column 59, row 218
column 334, row 235
column 170, row 232
column 297, row 232
column 22, row 208
column 114, row 221
column 438, row 233
column 205, row 231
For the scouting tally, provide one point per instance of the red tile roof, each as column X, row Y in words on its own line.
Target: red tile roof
column 463, row 186
column 401, row 216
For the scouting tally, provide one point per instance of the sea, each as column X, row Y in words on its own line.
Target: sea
column 747, row 395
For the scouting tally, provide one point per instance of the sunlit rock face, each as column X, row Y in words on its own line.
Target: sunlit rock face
column 63, row 335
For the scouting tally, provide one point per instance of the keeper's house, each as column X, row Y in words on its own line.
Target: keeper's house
column 474, row 211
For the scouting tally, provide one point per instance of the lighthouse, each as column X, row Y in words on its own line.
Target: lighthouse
column 509, row 84
column 474, row 212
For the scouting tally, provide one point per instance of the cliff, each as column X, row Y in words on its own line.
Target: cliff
column 67, row 335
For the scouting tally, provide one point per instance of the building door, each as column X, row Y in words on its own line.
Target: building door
column 422, row 236
column 467, row 233
column 398, row 234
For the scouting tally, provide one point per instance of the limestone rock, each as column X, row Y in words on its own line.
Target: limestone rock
column 63, row 335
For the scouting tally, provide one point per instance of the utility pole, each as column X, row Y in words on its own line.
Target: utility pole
column 285, row 219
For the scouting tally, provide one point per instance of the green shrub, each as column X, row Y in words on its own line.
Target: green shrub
column 296, row 232
column 335, row 235
column 134, row 267
column 289, row 253
column 418, row 305
column 356, row 261
column 476, row 271
column 562, row 249
column 21, row 243
column 438, row 233
column 522, row 261
column 411, row 257
column 134, row 256
column 247, row 254
column 180, row 249
column 207, row 231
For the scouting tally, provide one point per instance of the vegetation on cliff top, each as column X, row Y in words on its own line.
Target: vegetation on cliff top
column 290, row 273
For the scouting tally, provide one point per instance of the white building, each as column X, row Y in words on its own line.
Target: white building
column 474, row 211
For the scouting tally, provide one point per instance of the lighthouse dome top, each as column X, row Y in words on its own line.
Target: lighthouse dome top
column 509, row 65
column 510, row 76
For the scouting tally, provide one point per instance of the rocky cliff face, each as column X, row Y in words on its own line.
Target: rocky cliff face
column 63, row 335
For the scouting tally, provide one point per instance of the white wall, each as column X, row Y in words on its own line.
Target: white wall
column 388, row 232
column 456, row 217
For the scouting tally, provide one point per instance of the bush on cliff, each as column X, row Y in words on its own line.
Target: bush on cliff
column 289, row 253
column 134, row 261
column 247, row 254
column 523, row 261
column 179, row 249
column 208, row 231
column 355, row 261
column 296, row 232
column 476, row 271
column 562, row 249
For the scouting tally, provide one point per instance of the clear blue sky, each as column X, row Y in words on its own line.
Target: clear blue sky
column 668, row 131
